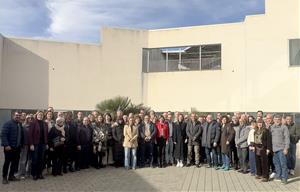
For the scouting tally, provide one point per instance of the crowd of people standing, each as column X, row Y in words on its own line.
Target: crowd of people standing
column 263, row 146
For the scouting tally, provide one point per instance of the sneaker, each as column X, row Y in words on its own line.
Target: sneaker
column 198, row 165
column 13, row 178
column 181, row 164
column 277, row 179
column 264, row 180
column 284, row 182
column 226, row 168
column 292, row 172
column 178, row 164
column 272, row 176
column 208, row 166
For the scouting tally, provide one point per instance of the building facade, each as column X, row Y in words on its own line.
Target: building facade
column 245, row 66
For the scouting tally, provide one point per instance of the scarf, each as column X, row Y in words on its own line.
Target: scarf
column 61, row 129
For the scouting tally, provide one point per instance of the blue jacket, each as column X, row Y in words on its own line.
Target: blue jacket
column 9, row 134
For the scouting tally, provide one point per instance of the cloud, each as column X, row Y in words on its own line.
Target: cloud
column 81, row 20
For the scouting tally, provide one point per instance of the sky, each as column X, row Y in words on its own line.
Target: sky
column 81, row 20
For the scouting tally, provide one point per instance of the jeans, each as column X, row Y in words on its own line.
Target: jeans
column 147, row 152
column 11, row 160
column 37, row 157
column 169, row 151
column 243, row 158
column 128, row 152
column 214, row 160
column 225, row 159
column 25, row 161
column 291, row 158
column 280, row 162
column 252, row 162
column 190, row 154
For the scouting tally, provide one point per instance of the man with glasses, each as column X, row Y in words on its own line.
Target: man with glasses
column 12, row 138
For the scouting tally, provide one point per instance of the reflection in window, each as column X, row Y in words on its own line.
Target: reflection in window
column 295, row 52
column 188, row 58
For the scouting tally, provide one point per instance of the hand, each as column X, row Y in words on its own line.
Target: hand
column 51, row 149
column 285, row 151
column 62, row 139
column 194, row 139
column 215, row 144
column 155, row 142
column 175, row 143
column 78, row 147
column 7, row 148
column 47, row 147
column 268, row 151
column 227, row 142
column 31, row 147
column 186, row 140
column 167, row 142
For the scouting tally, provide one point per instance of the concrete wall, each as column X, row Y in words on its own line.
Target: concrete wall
column 1, row 50
column 255, row 68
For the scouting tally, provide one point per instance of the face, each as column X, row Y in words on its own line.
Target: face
column 289, row 120
column 137, row 121
column 107, row 118
column 269, row 119
column 125, row 118
column 119, row 113
column 95, row 113
column 219, row 116
column 161, row 120
column 209, row 118
column 80, row 115
column 193, row 117
column 242, row 122
column 253, row 125
column 180, row 118
column 224, row 121
column 40, row 116
column 61, row 114
column 165, row 115
column 85, row 121
column 234, row 119
column 130, row 121
column 277, row 121
column 23, row 116
column 259, row 114
column 146, row 119
column 92, row 118
column 17, row 117
column 100, row 118
column 259, row 125
column 170, row 118
column 49, row 115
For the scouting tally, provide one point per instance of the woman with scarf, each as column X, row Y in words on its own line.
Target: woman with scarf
column 99, row 140
column 56, row 139
column 49, row 154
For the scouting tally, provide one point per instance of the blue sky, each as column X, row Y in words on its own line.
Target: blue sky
column 81, row 20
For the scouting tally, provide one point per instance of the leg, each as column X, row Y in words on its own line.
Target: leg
column 189, row 157
column 283, row 165
column 276, row 162
column 215, row 156
column 7, row 162
column 134, row 158
column 197, row 154
column 126, row 150
column 258, row 165
column 208, row 156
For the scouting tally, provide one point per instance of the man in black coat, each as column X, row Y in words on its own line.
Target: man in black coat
column 210, row 139
column 12, row 138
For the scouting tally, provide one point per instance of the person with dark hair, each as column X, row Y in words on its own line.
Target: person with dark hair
column 170, row 145
column 280, row 146
column 193, row 131
column 130, row 144
column 227, row 137
column 263, row 146
column 12, row 138
column 234, row 158
column 85, row 135
column 109, row 139
column 38, row 142
column 99, row 141
column 49, row 154
column 56, row 142
column 118, row 136
column 294, row 131
column 250, row 141
column 162, row 137
column 268, row 124
column 210, row 139
column 180, row 140
column 259, row 114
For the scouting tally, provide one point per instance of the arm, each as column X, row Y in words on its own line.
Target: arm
column 199, row 131
column 114, row 134
column 188, row 131
column 153, row 134
column 166, row 127
column 218, row 133
column 245, row 136
column 286, row 135
column 269, row 140
column 4, row 135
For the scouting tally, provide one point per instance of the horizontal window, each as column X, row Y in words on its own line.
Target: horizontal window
column 187, row 58
column 294, row 52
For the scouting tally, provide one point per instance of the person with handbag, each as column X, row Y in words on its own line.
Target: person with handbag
column 56, row 140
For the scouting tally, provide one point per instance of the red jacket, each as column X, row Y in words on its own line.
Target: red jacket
column 162, row 128
column 34, row 133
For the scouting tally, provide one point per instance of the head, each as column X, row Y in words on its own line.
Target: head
column 259, row 114
column 85, row 121
column 23, row 116
column 234, row 120
column 209, row 118
column 283, row 121
column 237, row 114
column 130, row 121
column 17, row 116
column 224, row 120
column 250, row 119
column 186, row 117
column 69, row 117
column 137, row 120
column 219, row 116
column 180, row 117
column 108, row 118
column 277, row 119
column 49, row 115
column 91, row 117
column 100, row 118
column 165, row 115
column 289, row 120
column 142, row 113
column 95, row 114
column 50, row 109
column 193, row 117
column 60, row 121
column 39, row 115
column 201, row 119
column 125, row 118
column 61, row 114
column 269, row 119
column 253, row 125
column 170, row 118
column 152, row 114
column 176, row 114
column 161, row 119
column 29, row 119
column 242, row 122
column 260, row 124
column 131, row 115
column 147, row 119
column 80, row 115
column 119, row 114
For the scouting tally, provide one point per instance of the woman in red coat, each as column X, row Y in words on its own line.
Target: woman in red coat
column 162, row 136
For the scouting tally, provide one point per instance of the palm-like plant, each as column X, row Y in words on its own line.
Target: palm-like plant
column 120, row 103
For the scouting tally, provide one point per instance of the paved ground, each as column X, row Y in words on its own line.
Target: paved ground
column 147, row 179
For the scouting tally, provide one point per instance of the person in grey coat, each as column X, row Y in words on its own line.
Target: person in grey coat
column 210, row 139
column 241, row 136
column 280, row 146
column 193, row 131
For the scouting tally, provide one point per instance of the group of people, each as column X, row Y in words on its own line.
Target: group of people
column 263, row 146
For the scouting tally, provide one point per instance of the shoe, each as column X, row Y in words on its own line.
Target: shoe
column 272, row 176
column 35, row 178
column 240, row 171
column 5, row 181
column 208, row 166
column 223, row 167
column 178, row 164
column 41, row 177
column 217, row 168
column 198, row 165
column 181, row 164
column 22, row 177
column 245, row 172
column 257, row 177
column 292, row 172
column 284, row 182
column 13, row 178
column 264, row 180
column 188, row 165
column 133, row 168
column 226, row 168
column 277, row 179
column 252, row 174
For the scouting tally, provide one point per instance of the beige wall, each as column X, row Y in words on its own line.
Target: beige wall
column 255, row 67
column 1, row 49
column 255, row 70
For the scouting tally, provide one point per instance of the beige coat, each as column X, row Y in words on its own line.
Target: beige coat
column 130, row 140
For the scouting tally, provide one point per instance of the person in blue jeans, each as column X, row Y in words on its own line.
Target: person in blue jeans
column 280, row 146
column 227, row 138
column 294, row 131
column 130, row 143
